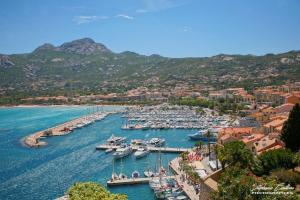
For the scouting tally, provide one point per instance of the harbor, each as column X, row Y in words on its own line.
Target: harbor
column 35, row 139
column 140, row 154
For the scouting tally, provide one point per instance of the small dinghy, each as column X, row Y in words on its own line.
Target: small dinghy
column 135, row 174
column 109, row 150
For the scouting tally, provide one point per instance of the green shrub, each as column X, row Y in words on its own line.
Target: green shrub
column 92, row 191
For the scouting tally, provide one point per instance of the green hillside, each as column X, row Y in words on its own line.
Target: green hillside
column 84, row 66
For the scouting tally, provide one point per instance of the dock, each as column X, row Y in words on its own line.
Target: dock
column 152, row 149
column 131, row 181
column 34, row 140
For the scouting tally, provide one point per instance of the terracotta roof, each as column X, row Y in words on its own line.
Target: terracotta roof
column 252, row 138
column 236, row 130
column 275, row 123
column 284, row 108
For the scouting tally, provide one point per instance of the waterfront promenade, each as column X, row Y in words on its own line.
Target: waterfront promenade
column 34, row 140
column 187, row 188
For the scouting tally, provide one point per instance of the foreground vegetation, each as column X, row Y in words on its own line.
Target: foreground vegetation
column 92, row 191
column 274, row 168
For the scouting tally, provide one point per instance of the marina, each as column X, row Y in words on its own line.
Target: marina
column 166, row 116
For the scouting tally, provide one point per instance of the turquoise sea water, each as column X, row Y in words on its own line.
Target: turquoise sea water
column 46, row 173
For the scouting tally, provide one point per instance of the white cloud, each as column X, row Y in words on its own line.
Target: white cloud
column 141, row 11
column 125, row 16
column 84, row 19
column 186, row 29
column 159, row 5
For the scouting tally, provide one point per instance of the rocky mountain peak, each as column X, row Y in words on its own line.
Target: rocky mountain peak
column 46, row 46
column 85, row 46
column 5, row 61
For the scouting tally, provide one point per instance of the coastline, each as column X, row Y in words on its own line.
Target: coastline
column 60, row 105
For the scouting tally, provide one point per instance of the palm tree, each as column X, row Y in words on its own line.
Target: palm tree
column 208, row 140
column 199, row 145
column 222, row 156
column 216, row 152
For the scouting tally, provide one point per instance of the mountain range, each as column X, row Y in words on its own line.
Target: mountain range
column 84, row 66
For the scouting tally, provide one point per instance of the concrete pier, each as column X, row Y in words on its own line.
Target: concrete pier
column 34, row 140
column 152, row 149
column 131, row 181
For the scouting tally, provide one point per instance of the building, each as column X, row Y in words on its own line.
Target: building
column 233, row 133
column 292, row 98
column 266, row 143
column 275, row 125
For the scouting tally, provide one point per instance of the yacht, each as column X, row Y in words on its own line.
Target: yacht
column 114, row 140
column 141, row 152
column 202, row 135
column 156, row 142
column 138, row 142
column 122, row 152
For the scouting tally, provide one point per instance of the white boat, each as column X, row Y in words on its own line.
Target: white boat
column 109, row 150
column 114, row 140
column 80, row 125
column 138, row 142
column 141, row 152
column 149, row 173
column 122, row 176
column 122, row 152
column 156, row 142
column 114, row 176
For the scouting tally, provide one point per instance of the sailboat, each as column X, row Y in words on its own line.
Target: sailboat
column 148, row 172
column 122, row 175
column 114, row 175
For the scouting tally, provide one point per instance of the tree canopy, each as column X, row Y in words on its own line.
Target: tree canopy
column 235, row 152
column 272, row 160
column 92, row 191
column 290, row 134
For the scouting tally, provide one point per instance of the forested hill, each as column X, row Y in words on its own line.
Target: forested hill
column 84, row 66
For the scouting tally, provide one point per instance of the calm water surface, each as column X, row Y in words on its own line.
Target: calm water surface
column 46, row 173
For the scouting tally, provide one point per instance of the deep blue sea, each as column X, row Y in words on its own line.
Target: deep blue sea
column 47, row 172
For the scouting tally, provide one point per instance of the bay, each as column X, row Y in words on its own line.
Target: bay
column 47, row 172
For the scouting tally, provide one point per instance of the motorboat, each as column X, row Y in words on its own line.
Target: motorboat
column 114, row 140
column 138, row 142
column 109, row 150
column 141, row 152
column 156, row 142
column 122, row 152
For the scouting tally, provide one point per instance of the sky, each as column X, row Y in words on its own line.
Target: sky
column 173, row 28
